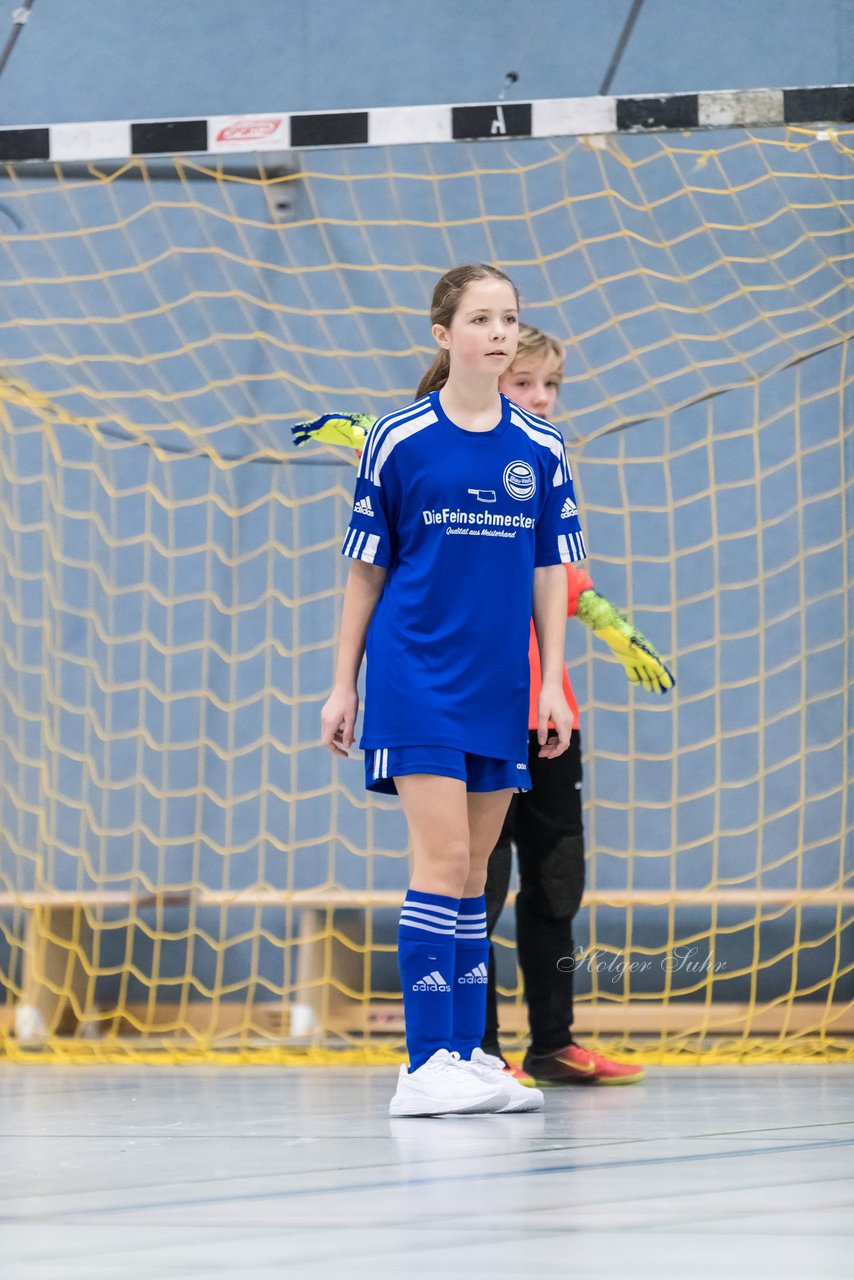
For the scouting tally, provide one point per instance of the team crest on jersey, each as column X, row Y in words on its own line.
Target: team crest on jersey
column 520, row 481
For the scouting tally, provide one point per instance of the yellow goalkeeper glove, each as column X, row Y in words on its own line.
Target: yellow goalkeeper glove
column 643, row 665
column 347, row 429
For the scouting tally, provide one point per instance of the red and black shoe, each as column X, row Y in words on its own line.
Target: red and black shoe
column 519, row 1073
column 511, row 1068
column 574, row 1065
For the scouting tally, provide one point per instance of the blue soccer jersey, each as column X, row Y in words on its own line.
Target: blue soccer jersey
column 459, row 519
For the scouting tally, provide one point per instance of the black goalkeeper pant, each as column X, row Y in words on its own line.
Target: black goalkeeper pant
column 545, row 824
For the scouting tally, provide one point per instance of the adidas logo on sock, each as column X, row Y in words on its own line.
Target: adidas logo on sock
column 363, row 507
column 568, row 509
column 432, row 982
column 478, row 974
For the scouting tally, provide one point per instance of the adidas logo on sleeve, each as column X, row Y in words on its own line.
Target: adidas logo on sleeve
column 432, row 982
column 363, row 507
column 477, row 974
column 568, row 509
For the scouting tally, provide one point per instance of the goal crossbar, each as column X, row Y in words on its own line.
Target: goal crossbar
column 278, row 131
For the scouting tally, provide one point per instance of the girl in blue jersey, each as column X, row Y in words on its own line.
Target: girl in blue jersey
column 463, row 516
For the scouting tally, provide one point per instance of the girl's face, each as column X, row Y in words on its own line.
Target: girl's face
column 484, row 333
column 533, row 382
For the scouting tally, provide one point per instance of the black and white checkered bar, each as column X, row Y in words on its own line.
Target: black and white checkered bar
column 382, row 126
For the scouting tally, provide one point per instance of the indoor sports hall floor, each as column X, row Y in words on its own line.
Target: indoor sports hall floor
column 180, row 1172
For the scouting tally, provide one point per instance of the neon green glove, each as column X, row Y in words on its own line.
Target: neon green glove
column 643, row 665
column 348, row 429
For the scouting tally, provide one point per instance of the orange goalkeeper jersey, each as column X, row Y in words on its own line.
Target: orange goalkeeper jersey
column 577, row 581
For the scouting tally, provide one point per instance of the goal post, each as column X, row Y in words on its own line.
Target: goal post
column 183, row 870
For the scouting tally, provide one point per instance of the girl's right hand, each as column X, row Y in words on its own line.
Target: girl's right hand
column 338, row 720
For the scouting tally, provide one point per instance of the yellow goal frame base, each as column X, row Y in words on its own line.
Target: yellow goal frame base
column 231, row 1033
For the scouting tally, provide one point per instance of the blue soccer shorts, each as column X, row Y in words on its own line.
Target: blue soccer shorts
column 479, row 773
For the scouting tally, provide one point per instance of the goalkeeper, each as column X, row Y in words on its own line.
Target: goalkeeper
column 545, row 824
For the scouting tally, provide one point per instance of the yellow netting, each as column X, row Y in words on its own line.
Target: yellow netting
column 183, row 872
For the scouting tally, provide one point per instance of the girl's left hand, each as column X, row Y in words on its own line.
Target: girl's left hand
column 552, row 706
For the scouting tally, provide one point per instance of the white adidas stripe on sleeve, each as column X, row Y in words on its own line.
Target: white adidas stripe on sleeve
column 359, row 545
column 571, row 547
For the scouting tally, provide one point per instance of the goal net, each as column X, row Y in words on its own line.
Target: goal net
column 183, row 870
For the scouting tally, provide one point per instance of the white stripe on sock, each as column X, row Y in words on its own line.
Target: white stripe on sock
column 415, row 905
column 423, row 913
column 427, row 928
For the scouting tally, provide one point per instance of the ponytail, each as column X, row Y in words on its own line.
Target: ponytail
column 436, row 376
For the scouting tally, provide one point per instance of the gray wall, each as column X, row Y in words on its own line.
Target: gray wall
column 91, row 60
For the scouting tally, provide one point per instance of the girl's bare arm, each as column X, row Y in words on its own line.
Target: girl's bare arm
column 550, row 626
column 338, row 717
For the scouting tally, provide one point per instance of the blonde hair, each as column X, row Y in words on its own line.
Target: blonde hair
column 446, row 299
column 533, row 342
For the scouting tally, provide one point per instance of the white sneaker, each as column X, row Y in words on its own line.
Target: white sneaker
column 486, row 1066
column 441, row 1086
